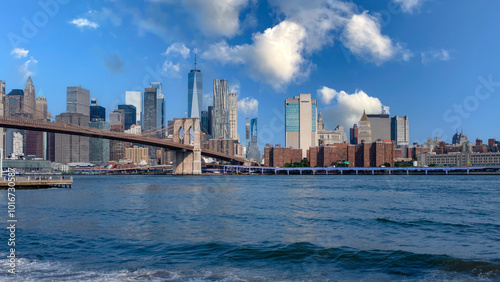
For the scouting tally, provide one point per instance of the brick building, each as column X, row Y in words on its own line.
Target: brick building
column 277, row 156
column 373, row 154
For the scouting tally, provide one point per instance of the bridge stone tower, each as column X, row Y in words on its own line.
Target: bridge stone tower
column 187, row 131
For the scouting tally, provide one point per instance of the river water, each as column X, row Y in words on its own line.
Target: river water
column 258, row 228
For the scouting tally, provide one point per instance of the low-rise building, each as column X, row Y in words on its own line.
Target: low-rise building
column 278, row 156
column 457, row 159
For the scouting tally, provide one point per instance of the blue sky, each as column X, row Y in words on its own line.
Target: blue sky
column 436, row 61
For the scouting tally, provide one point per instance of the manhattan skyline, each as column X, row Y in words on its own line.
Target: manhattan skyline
column 422, row 59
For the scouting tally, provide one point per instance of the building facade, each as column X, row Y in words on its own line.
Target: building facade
column 456, row 159
column 97, row 113
column 42, row 112
column 137, row 155
column 233, row 116
column 130, row 114
column 149, row 112
column 99, row 147
column 220, row 121
column 380, row 127
column 301, row 122
column 134, row 98
column 253, row 152
column 326, row 137
column 364, row 130
column 78, row 100
column 278, row 156
column 400, row 130
column 72, row 148
column 29, row 105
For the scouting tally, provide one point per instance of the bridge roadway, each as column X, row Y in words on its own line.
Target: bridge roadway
column 70, row 129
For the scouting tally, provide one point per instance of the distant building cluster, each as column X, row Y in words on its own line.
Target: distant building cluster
column 376, row 140
column 142, row 113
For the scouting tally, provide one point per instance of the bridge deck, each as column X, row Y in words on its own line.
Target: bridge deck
column 65, row 128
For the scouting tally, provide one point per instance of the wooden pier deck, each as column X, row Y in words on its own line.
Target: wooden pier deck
column 38, row 184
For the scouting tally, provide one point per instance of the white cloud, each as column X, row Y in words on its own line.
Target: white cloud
column 178, row 48
column 435, row 55
column 348, row 108
column 248, row 106
column 217, row 17
column 362, row 36
column 274, row 56
column 19, row 53
column 24, row 70
column 409, row 6
column 171, row 69
column 222, row 52
column 82, row 23
column 320, row 18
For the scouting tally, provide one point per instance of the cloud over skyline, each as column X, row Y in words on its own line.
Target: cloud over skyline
column 346, row 109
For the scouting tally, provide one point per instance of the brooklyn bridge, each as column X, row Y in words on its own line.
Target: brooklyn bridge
column 186, row 143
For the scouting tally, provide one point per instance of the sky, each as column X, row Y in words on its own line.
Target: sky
column 435, row 61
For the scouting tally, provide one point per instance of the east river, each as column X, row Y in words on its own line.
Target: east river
column 258, row 228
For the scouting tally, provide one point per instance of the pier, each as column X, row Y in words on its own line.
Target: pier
column 38, row 183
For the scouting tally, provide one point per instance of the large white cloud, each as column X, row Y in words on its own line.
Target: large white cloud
column 362, row 36
column 279, row 55
column 320, row 18
column 275, row 56
column 217, row 17
column 347, row 109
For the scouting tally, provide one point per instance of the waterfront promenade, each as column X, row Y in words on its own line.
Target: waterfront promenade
column 356, row 170
column 39, row 182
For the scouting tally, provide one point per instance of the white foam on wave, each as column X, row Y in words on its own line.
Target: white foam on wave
column 35, row 270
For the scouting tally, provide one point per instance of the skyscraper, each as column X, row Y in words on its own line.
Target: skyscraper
column 13, row 108
column 205, row 121
column 220, row 121
column 99, row 147
column 134, row 98
column 253, row 149
column 160, row 115
column 233, row 116
column 400, row 130
column 78, row 100
column 117, row 123
column 160, row 108
column 42, row 112
column 300, row 123
column 72, row 148
column 97, row 113
column 129, row 115
column 29, row 106
column 195, row 92
column 354, row 135
column 364, row 130
column 149, row 111
column 380, row 125
column 247, row 125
